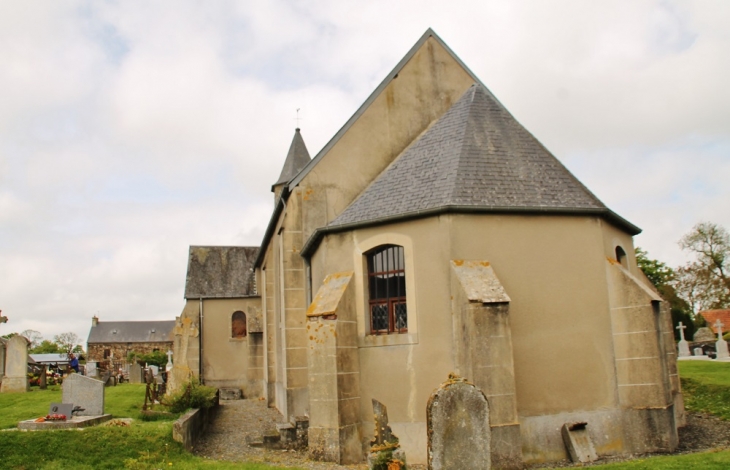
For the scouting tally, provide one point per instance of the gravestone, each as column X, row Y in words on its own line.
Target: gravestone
column 16, row 366
column 61, row 409
column 106, row 378
column 683, row 345
column 385, row 452
column 155, row 370
column 90, row 370
column 721, row 344
column 699, row 352
column 181, row 373
column 135, row 373
column 2, row 359
column 168, row 366
column 457, row 420
column 703, row 334
column 578, row 442
column 85, row 392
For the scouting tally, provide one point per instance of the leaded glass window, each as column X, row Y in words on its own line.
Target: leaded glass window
column 387, row 290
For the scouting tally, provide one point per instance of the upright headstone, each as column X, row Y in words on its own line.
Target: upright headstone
column 135, row 373
column 168, row 366
column 683, row 345
column 385, row 452
column 16, row 366
column 106, row 378
column 2, row 358
column 181, row 373
column 85, row 392
column 155, row 370
column 91, row 370
column 699, row 352
column 721, row 344
column 458, row 430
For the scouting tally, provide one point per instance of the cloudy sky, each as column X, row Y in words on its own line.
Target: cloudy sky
column 131, row 130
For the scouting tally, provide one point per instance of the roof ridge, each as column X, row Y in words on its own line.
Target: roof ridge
column 454, row 176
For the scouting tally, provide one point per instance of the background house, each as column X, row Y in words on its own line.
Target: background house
column 114, row 340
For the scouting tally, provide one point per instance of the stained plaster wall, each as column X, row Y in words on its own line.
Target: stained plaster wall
column 423, row 90
column 552, row 267
column 232, row 362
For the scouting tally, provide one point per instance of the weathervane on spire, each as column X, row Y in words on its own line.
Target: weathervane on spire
column 298, row 118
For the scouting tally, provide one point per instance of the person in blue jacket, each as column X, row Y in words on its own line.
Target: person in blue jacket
column 73, row 362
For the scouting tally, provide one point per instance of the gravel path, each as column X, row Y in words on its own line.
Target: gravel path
column 240, row 421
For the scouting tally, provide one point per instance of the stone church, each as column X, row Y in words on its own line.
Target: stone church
column 434, row 234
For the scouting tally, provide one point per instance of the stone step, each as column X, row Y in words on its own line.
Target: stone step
column 287, row 431
column 272, row 439
column 230, row 393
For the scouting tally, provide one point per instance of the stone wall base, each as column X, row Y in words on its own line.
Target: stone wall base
column 613, row 432
column 339, row 445
column 506, row 447
column 14, row 384
column 650, row 430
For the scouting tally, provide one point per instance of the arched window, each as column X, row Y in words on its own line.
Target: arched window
column 621, row 257
column 387, row 290
column 238, row 325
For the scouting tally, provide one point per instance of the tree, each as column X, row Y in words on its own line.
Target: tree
column 705, row 282
column 35, row 337
column 664, row 279
column 66, row 341
column 46, row 347
column 658, row 272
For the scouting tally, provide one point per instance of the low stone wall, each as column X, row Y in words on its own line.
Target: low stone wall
column 190, row 426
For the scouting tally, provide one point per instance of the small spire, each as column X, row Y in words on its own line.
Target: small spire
column 296, row 159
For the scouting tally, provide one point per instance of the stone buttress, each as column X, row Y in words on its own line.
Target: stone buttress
column 334, row 373
column 483, row 352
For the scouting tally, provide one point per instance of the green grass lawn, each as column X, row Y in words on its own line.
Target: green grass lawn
column 143, row 445
column 149, row 445
column 706, row 387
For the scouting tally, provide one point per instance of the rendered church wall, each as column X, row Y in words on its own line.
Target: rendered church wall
column 553, row 268
column 227, row 361
column 423, row 90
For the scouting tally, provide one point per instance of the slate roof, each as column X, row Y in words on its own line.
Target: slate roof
column 131, row 332
column 296, row 159
column 221, row 272
column 476, row 156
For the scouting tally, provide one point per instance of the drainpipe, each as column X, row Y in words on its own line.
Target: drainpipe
column 200, row 350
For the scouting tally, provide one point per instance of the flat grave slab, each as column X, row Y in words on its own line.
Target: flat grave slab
column 71, row 423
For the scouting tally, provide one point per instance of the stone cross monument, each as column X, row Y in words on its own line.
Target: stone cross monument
column 168, row 366
column 721, row 344
column 181, row 372
column 683, row 345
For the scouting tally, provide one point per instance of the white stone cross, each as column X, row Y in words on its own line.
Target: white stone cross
column 719, row 325
column 681, row 328
column 168, row 366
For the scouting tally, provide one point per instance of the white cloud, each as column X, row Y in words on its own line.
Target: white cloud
column 134, row 129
